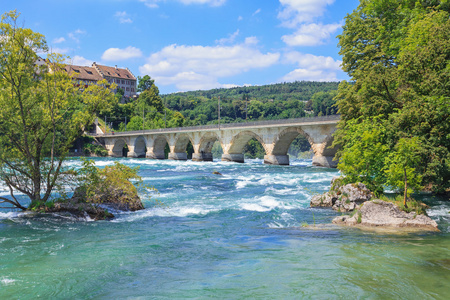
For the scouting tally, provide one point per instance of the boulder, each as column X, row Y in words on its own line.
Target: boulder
column 80, row 209
column 379, row 213
column 343, row 198
column 112, row 197
column 324, row 200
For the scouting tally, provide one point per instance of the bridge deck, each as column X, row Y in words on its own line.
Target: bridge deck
column 258, row 124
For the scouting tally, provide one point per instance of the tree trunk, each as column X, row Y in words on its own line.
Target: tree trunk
column 406, row 188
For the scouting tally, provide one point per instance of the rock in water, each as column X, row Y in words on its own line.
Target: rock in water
column 324, row 200
column 343, row 198
column 119, row 200
column 112, row 197
column 379, row 213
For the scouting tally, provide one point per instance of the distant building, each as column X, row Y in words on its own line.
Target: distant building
column 123, row 78
column 84, row 75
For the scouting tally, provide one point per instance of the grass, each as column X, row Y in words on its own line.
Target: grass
column 411, row 204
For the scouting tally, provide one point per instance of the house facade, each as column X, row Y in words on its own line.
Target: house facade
column 123, row 78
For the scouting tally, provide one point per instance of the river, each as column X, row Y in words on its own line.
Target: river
column 246, row 234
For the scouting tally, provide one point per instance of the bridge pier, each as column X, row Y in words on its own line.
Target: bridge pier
column 117, row 153
column 153, row 155
column 233, row 157
column 324, row 161
column 132, row 154
column 202, row 156
column 178, row 155
column 282, row 160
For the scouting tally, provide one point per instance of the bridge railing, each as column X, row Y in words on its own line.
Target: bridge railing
column 228, row 125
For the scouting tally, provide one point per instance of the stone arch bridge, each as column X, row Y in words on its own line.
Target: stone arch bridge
column 275, row 136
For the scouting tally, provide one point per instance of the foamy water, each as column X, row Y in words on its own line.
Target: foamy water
column 248, row 233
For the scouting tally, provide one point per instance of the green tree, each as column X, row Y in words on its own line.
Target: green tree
column 397, row 54
column 150, row 100
column 41, row 113
column 145, row 83
column 366, row 149
column 401, row 166
column 324, row 103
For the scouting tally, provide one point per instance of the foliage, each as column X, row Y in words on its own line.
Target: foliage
column 323, row 103
column 398, row 56
column 365, row 152
column 145, row 83
column 400, row 166
column 268, row 102
column 96, row 150
column 413, row 205
column 254, row 149
column 98, row 182
column 41, row 113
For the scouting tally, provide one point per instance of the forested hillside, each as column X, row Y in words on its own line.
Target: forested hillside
column 276, row 101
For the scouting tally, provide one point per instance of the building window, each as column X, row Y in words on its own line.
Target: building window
column 128, row 89
column 123, row 81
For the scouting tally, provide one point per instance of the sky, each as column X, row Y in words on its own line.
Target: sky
column 187, row 45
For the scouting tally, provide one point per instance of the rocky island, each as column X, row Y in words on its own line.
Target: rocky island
column 368, row 212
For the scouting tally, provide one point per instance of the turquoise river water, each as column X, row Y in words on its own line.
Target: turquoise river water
column 247, row 234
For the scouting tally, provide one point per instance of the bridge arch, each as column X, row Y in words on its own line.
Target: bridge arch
column 159, row 144
column 118, row 148
column 235, row 151
column 205, row 145
column 240, row 140
column 181, row 142
column 140, row 146
column 178, row 151
column 207, row 142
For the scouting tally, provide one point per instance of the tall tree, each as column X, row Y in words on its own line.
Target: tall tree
column 397, row 54
column 42, row 112
column 145, row 83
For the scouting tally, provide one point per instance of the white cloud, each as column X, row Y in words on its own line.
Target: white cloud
column 115, row 54
column 123, row 17
column 313, row 62
column 150, row 3
column 80, row 61
column 229, row 40
column 75, row 35
column 256, row 12
column 312, row 67
column 301, row 11
column 309, row 75
column 60, row 50
column 311, row 34
column 154, row 3
column 200, row 67
column 209, row 2
column 240, row 18
column 251, row 40
column 59, row 40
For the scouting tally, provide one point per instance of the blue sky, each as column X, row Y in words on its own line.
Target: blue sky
column 196, row 44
